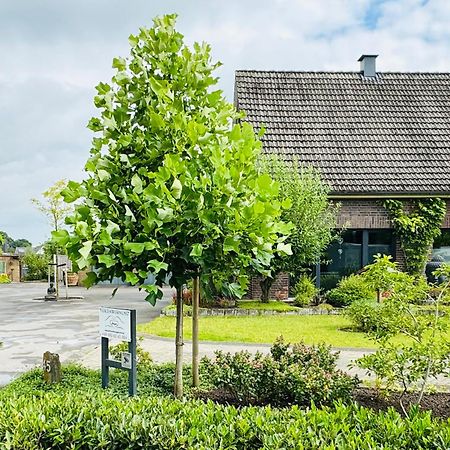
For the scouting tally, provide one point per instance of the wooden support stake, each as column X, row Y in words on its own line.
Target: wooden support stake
column 195, row 308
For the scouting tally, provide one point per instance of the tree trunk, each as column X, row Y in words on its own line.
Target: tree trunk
column 195, row 307
column 266, row 284
column 178, row 389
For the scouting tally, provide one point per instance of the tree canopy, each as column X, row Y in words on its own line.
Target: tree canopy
column 304, row 196
column 172, row 187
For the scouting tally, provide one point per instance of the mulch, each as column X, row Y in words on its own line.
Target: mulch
column 438, row 403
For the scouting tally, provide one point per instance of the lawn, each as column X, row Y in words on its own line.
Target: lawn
column 265, row 329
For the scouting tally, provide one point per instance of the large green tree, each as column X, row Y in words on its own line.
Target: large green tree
column 304, row 196
column 172, row 186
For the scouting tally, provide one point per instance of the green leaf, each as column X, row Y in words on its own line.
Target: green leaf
column 176, row 188
column 72, row 192
column 61, row 237
column 154, row 293
column 86, row 249
column 157, row 265
column 107, row 260
column 286, row 203
column 133, row 40
column 119, row 64
column 165, row 213
column 230, row 244
column 197, row 250
column 136, row 182
column 112, row 227
column 90, row 280
column 131, row 277
column 103, row 175
column 135, row 247
column 284, row 248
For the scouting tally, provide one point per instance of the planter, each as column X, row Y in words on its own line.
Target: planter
column 72, row 279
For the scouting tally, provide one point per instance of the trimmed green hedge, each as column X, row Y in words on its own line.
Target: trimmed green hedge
column 98, row 421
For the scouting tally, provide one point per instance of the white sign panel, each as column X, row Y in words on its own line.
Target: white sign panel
column 115, row 323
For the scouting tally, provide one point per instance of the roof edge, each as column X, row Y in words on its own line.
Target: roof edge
column 383, row 196
column 348, row 72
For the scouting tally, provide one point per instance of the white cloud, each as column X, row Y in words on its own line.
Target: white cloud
column 54, row 52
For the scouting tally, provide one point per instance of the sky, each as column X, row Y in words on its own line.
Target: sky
column 53, row 53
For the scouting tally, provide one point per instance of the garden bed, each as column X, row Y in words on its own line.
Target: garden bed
column 438, row 403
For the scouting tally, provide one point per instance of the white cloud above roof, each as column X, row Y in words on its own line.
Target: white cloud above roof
column 53, row 53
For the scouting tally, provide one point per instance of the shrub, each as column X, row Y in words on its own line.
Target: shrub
column 329, row 281
column 4, row 279
column 349, row 290
column 37, row 266
column 305, row 291
column 69, row 421
column 152, row 380
column 289, row 375
column 142, row 356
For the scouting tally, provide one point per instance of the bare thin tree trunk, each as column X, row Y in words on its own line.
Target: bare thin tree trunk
column 178, row 388
column 195, row 307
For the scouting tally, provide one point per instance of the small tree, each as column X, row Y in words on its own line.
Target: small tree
column 53, row 205
column 173, row 188
column 304, row 196
column 424, row 351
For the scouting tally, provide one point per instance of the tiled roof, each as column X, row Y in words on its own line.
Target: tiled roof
column 383, row 135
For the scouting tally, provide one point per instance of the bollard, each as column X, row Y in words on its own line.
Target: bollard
column 51, row 367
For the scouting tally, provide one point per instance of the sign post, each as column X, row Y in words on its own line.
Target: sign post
column 121, row 324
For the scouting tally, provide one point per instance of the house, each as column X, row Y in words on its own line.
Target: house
column 10, row 264
column 373, row 135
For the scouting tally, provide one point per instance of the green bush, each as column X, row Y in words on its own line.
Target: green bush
column 295, row 374
column 304, row 291
column 152, row 380
column 71, row 420
column 378, row 318
column 37, row 266
column 143, row 357
column 329, row 281
column 349, row 290
column 4, row 279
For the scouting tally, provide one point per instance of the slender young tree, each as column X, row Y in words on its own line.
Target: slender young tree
column 172, row 187
column 304, row 196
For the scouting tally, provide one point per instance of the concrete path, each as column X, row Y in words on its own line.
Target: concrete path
column 29, row 327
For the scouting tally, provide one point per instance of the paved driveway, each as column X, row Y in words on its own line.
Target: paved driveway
column 29, row 327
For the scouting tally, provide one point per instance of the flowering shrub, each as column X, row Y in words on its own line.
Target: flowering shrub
column 296, row 374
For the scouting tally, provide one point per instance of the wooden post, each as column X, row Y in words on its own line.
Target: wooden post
column 195, row 307
column 178, row 388
column 51, row 367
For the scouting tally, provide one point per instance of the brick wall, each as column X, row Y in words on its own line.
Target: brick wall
column 279, row 289
column 363, row 214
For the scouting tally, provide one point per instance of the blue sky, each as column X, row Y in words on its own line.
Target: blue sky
column 54, row 52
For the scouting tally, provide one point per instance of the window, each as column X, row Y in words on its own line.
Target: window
column 2, row 267
column 354, row 250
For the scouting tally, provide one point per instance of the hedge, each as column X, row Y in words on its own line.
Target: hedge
column 74, row 420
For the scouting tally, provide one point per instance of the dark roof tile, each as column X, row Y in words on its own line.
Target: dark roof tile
column 389, row 135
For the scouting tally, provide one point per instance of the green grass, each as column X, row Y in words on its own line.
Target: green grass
column 265, row 329
column 273, row 305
